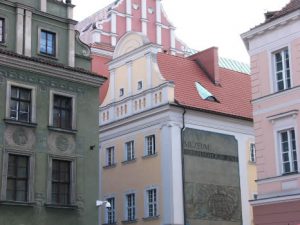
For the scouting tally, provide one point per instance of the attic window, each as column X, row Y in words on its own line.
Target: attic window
column 205, row 94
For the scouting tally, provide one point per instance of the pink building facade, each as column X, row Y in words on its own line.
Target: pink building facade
column 274, row 48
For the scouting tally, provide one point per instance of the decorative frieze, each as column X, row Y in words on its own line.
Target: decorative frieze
column 42, row 82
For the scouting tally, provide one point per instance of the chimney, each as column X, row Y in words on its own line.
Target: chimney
column 208, row 60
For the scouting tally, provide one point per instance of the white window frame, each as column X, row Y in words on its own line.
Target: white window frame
column 31, row 157
column 132, row 207
column 252, row 153
column 281, row 122
column 290, row 152
column 74, row 105
column 33, row 99
column 148, row 151
column 132, row 153
column 284, row 74
column 154, row 203
column 39, row 42
column 110, row 156
column 72, row 160
column 111, row 209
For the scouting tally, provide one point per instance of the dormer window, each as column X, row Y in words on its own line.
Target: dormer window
column 140, row 85
column 121, row 92
column 204, row 93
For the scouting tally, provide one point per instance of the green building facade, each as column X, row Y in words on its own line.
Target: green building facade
column 49, row 117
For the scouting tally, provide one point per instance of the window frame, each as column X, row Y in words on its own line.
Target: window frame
column 110, row 158
column 72, row 196
column 2, row 41
column 33, row 89
column 111, row 209
column 140, row 85
column 284, row 70
column 128, row 207
column 252, row 153
column 132, row 152
column 154, row 203
column 290, row 152
column 47, row 31
column 30, row 182
column 74, row 108
column 146, row 145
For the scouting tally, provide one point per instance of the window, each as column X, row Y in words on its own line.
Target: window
column 282, row 70
column 61, row 182
column 110, row 156
column 110, row 212
column 140, row 85
column 288, row 151
column 130, row 207
column 20, row 104
column 62, row 112
column 17, row 178
column 121, row 92
column 151, row 202
column 252, row 153
column 129, row 150
column 2, row 30
column 150, row 145
column 204, row 93
column 48, row 43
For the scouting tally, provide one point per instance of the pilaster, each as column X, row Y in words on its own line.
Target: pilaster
column 71, row 55
column 172, row 174
column 28, row 24
column 20, row 31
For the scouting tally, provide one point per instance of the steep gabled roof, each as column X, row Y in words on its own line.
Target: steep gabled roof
column 233, row 94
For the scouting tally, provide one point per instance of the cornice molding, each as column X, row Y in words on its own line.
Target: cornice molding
column 264, row 28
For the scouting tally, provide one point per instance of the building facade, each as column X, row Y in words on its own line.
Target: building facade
column 49, row 109
column 275, row 52
column 174, row 138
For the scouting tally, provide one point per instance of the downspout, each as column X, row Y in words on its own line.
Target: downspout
column 182, row 161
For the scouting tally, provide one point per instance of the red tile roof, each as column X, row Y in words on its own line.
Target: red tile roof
column 233, row 94
column 292, row 6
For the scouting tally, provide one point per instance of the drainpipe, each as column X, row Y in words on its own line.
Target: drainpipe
column 182, row 161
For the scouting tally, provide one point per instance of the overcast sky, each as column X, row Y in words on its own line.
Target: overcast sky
column 202, row 24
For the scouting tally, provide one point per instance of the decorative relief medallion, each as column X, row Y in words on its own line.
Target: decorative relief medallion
column 135, row 6
column 213, row 202
column 19, row 137
column 61, row 142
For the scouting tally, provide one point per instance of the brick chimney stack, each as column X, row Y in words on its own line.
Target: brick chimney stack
column 208, row 60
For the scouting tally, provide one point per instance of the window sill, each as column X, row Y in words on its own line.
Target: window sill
column 62, row 130
column 56, row 206
column 3, row 44
column 16, row 122
column 13, row 203
column 150, row 218
column 129, row 221
column 129, row 161
column 110, row 166
column 252, row 162
column 289, row 174
column 109, row 223
column 150, row 156
column 42, row 55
